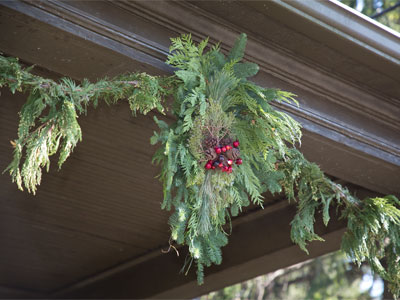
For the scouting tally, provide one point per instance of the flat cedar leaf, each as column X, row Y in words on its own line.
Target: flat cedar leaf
column 272, row 182
column 202, row 45
column 264, row 105
column 237, row 51
column 270, row 94
column 203, row 107
column 234, row 210
column 325, row 213
column 154, row 139
column 219, row 59
column 161, row 124
column 188, row 121
column 245, row 70
column 188, row 77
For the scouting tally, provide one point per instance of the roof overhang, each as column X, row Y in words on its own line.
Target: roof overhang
column 343, row 67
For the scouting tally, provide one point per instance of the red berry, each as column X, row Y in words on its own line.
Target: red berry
column 220, row 165
column 223, row 149
column 230, row 169
column 239, row 161
column 208, row 166
column 228, row 147
column 225, row 169
column 213, row 167
column 218, row 150
column 236, row 144
column 230, row 161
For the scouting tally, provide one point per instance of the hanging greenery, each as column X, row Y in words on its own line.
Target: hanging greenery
column 226, row 148
column 48, row 120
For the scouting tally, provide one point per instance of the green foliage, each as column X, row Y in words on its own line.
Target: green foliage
column 372, row 224
column 373, row 234
column 212, row 98
column 237, row 51
column 48, row 120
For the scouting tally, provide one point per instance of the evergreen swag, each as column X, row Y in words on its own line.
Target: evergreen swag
column 213, row 100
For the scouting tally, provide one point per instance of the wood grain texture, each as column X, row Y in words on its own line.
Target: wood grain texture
column 100, row 209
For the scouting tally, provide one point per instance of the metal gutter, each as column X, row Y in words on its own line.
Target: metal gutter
column 350, row 25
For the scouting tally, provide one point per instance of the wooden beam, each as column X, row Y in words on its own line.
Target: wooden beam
column 259, row 243
column 18, row 293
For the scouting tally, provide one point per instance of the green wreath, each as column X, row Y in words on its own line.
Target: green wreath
column 226, row 148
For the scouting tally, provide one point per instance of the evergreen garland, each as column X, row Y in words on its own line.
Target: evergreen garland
column 213, row 102
column 48, row 120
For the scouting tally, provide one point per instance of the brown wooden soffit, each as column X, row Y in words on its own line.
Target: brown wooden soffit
column 77, row 238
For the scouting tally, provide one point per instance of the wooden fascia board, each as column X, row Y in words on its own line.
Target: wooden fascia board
column 272, row 61
column 90, row 29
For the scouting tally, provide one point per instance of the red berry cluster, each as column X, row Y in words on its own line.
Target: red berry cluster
column 223, row 161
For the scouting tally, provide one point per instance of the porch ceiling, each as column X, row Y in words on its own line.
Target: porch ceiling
column 95, row 228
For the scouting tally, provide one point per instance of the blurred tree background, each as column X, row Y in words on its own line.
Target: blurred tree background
column 373, row 8
column 329, row 277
